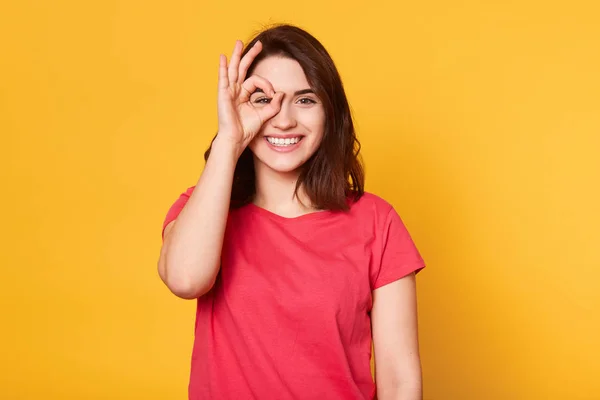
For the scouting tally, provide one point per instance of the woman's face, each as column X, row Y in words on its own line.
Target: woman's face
column 291, row 137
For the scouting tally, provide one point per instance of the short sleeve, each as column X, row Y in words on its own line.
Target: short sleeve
column 399, row 254
column 176, row 208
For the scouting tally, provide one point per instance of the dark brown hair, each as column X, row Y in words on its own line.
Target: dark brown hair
column 334, row 174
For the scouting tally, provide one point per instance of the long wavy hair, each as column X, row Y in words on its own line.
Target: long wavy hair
column 334, row 174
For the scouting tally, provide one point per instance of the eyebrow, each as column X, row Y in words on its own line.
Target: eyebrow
column 303, row 91
column 296, row 93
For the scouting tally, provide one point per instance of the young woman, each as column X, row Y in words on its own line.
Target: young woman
column 296, row 270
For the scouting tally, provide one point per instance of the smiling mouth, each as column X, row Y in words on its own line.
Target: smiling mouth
column 281, row 142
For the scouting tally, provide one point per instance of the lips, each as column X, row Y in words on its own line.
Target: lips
column 283, row 141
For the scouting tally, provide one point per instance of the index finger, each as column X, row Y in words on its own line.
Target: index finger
column 247, row 60
column 256, row 82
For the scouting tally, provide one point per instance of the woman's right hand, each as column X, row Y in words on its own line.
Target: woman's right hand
column 239, row 120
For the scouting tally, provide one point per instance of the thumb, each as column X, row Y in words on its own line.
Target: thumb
column 270, row 110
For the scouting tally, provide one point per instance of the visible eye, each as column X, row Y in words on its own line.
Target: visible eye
column 306, row 100
column 262, row 100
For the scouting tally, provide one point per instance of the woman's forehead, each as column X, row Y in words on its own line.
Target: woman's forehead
column 285, row 74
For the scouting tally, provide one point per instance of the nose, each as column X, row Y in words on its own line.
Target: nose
column 285, row 118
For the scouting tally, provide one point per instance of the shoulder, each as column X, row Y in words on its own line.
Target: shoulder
column 371, row 204
column 372, row 211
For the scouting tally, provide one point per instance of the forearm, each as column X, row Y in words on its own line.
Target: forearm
column 402, row 391
column 192, row 250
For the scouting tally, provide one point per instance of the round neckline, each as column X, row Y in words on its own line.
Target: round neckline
column 311, row 216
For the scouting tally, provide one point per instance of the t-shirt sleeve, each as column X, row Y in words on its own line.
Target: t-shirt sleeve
column 399, row 255
column 176, row 208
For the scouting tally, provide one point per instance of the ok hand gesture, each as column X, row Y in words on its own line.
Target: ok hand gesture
column 239, row 120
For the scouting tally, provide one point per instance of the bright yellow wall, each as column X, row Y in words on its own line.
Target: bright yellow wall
column 480, row 122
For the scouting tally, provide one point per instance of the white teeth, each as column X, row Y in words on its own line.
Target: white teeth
column 283, row 142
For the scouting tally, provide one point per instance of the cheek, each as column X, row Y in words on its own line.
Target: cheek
column 316, row 123
column 255, row 143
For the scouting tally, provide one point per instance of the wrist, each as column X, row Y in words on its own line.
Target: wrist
column 224, row 148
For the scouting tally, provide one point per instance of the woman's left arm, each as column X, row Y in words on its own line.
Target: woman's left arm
column 395, row 341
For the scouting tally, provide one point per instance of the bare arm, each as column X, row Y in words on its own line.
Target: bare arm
column 395, row 340
column 191, row 253
column 190, row 256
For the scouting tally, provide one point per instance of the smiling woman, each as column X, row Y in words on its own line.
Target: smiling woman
column 300, row 119
column 296, row 270
column 295, row 64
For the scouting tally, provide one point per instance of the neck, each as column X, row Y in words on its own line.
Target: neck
column 275, row 192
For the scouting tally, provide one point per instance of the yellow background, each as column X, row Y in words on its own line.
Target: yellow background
column 480, row 122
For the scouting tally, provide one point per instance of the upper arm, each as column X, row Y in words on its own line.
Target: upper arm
column 394, row 310
column 395, row 334
column 161, row 259
column 167, row 227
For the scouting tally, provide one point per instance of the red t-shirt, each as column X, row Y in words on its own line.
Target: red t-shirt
column 289, row 314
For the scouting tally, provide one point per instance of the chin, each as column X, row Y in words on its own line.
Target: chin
column 285, row 168
column 280, row 165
